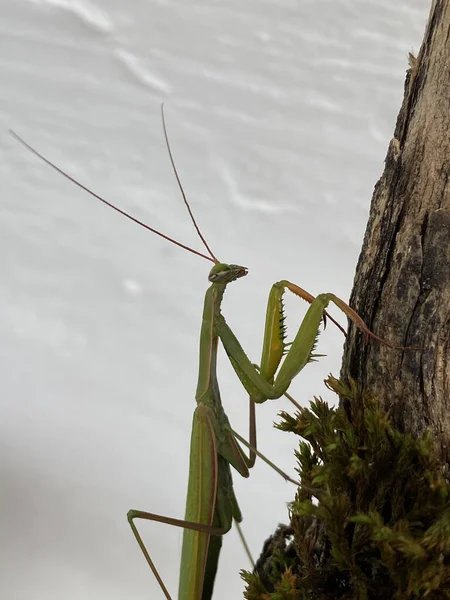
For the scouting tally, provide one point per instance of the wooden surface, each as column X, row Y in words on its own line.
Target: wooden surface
column 402, row 282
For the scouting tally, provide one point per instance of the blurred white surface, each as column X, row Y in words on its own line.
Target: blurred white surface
column 279, row 115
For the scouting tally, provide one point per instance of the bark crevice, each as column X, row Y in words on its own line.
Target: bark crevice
column 402, row 281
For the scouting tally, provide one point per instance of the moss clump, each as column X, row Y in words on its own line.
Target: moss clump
column 372, row 518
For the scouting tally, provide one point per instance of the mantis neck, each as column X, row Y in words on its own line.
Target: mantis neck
column 207, row 387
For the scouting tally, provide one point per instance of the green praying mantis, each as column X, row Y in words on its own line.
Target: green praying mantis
column 211, row 504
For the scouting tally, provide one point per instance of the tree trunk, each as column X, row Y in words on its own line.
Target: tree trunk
column 402, row 291
column 402, row 281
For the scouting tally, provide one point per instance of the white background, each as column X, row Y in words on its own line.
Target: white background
column 279, row 115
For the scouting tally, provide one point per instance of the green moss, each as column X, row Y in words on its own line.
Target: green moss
column 372, row 519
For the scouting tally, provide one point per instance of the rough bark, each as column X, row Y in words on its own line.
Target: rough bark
column 402, row 291
column 402, row 282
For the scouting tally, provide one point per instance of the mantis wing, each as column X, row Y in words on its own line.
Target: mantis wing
column 200, row 504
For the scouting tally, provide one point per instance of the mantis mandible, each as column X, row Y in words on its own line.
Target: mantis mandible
column 211, row 504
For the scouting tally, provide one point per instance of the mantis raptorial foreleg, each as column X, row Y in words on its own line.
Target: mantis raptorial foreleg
column 211, row 504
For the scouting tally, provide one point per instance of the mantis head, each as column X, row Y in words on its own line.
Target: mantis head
column 223, row 273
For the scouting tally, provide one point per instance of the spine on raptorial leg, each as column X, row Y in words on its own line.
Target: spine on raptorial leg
column 274, row 333
column 301, row 351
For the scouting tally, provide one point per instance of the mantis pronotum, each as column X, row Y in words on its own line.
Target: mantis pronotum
column 211, row 504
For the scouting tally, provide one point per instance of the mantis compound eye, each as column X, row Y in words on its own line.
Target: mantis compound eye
column 240, row 271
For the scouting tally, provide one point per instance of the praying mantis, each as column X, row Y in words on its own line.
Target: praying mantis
column 211, row 505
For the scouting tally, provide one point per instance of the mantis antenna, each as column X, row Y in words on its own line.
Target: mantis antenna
column 211, row 258
column 200, row 235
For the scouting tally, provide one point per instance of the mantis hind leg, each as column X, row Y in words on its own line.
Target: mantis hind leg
column 210, row 508
column 200, row 522
column 138, row 514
